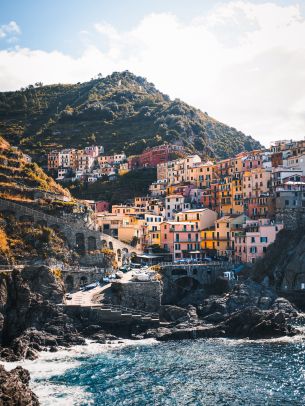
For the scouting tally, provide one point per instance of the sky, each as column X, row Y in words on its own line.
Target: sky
column 242, row 62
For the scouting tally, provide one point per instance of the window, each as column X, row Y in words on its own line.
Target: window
column 252, row 239
column 286, row 202
column 264, row 239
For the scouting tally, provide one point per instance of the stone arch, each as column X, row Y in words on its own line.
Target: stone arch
column 26, row 218
column 187, row 284
column 8, row 213
column 69, row 282
column 80, row 243
column 110, row 245
column 83, row 280
column 91, row 243
column 55, row 227
column 42, row 223
column 125, row 256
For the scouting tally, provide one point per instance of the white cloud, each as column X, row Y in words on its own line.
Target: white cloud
column 9, row 30
column 243, row 63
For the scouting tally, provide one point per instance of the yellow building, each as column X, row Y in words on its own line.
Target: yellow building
column 237, row 196
column 152, row 232
column 225, row 196
column 132, row 231
column 204, row 218
column 202, row 174
column 221, row 238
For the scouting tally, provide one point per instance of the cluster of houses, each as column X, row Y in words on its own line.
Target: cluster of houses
column 199, row 209
column 90, row 164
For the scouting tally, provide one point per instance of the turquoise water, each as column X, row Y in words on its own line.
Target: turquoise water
column 202, row 372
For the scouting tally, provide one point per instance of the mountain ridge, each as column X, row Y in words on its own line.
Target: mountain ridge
column 121, row 112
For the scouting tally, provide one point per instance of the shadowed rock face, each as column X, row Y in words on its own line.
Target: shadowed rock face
column 250, row 323
column 14, row 388
column 29, row 316
column 283, row 266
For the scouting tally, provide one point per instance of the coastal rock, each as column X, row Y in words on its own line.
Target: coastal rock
column 243, row 295
column 256, row 324
column 283, row 305
column 172, row 313
column 250, row 323
column 31, row 315
column 14, row 388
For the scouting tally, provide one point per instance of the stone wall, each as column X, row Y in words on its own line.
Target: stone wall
column 291, row 218
column 144, row 296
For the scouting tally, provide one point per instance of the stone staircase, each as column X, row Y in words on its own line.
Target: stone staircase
column 108, row 313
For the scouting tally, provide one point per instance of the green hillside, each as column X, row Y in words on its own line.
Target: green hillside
column 120, row 112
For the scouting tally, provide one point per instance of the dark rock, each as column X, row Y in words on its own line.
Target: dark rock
column 283, row 305
column 173, row 313
column 214, row 317
column 92, row 329
column 14, row 388
column 255, row 323
column 250, row 323
column 243, row 295
column 99, row 338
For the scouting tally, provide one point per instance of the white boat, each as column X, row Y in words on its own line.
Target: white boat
column 119, row 274
column 142, row 277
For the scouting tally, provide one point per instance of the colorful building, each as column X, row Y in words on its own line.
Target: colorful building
column 253, row 240
column 181, row 239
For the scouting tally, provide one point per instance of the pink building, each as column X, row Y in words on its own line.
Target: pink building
column 252, row 242
column 181, row 239
column 252, row 161
column 93, row 151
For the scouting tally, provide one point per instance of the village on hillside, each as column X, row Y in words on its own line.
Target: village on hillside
column 230, row 209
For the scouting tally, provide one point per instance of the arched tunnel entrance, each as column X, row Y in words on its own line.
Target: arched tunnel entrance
column 187, row 284
column 69, row 282
column 180, row 291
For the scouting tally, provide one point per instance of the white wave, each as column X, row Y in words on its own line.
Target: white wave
column 50, row 364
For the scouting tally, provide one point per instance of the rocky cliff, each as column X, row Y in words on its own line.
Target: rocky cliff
column 283, row 266
column 31, row 318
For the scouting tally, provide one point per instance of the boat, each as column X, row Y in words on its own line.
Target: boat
column 142, row 277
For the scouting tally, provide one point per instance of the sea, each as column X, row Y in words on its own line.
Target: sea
column 190, row 372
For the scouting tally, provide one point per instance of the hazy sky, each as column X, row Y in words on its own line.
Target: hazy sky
column 243, row 62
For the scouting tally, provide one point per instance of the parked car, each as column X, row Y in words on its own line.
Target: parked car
column 90, row 287
column 136, row 266
column 206, row 259
column 119, row 274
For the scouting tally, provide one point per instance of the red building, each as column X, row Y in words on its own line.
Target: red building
column 151, row 157
column 101, row 206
